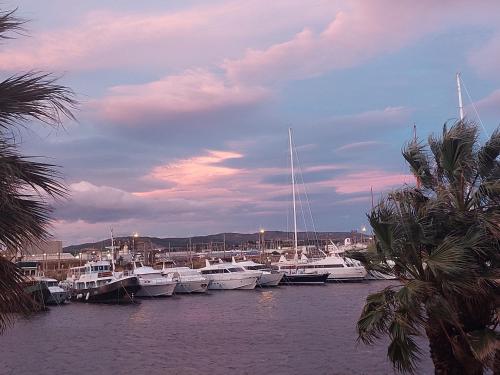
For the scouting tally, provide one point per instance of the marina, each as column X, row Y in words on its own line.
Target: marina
column 284, row 330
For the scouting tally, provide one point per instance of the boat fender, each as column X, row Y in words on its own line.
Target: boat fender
column 87, row 297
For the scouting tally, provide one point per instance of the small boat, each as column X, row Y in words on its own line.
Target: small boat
column 268, row 277
column 188, row 279
column 44, row 289
column 228, row 276
column 57, row 294
column 153, row 283
column 95, row 282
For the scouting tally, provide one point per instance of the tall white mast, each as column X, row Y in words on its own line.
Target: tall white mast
column 293, row 193
column 112, row 250
column 460, row 103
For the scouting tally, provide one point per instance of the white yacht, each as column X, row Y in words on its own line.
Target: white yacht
column 229, row 276
column 333, row 265
column 96, row 282
column 268, row 277
column 152, row 282
column 188, row 280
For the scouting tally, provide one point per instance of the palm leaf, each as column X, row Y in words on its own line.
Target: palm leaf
column 13, row 299
column 34, row 95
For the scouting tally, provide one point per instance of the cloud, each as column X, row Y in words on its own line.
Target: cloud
column 163, row 38
column 190, row 93
column 488, row 106
column 485, row 58
column 359, row 182
column 358, row 32
column 357, row 146
column 197, row 170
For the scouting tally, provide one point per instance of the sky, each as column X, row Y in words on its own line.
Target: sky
column 185, row 106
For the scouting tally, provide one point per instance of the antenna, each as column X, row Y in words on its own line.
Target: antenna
column 460, row 102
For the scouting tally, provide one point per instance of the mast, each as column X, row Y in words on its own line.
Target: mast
column 460, row 103
column 293, row 193
column 112, row 250
column 415, row 141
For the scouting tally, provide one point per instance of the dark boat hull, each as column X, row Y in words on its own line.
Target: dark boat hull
column 116, row 292
column 304, row 279
column 38, row 291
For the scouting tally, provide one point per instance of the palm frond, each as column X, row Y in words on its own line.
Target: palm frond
column 457, row 151
column 376, row 316
column 10, row 23
column 449, row 258
column 404, row 353
column 416, row 156
column 483, row 344
column 13, row 299
column 34, row 95
column 488, row 154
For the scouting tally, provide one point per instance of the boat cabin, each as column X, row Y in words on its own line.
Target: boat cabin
column 222, row 270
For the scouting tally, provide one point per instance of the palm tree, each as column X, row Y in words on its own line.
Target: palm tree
column 441, row 239
column 26, row 185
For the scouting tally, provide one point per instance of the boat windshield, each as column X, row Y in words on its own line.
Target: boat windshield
column 235, row 269
column 151, row 276
column 256, row 267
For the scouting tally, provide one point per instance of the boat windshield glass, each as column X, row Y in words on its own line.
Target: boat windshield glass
column 257, row 267
column 235, row 269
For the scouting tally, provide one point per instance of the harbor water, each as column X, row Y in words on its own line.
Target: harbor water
column 286, row 330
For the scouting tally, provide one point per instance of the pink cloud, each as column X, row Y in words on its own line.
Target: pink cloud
column 360, row 182
column 197, row 170
column 193, row 91
column 358, row 32
column 110, row 39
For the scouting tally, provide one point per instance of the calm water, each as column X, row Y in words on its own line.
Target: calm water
column 287, row 330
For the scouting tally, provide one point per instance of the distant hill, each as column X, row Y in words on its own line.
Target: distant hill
column 198, row 242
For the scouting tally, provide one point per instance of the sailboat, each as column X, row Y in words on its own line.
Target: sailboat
column 293, row 272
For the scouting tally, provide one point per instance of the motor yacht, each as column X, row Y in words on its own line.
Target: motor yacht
column 229, row 276
column 268, row 277
column 337, row 267
column 188, row 279
column 294, row 272
column 153, row 283
column 96, row 282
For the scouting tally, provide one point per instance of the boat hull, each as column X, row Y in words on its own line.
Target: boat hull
column 346, row 274
column 304, row 279
column 38, row 291
column 231, row 284
column 194, row 286
column 157, row 290
column 270, row 279
column 117, row 292
column 57, row 296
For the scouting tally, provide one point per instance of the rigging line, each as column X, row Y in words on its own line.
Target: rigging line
column 298, row 195
column 307, row 199
column 474, row 108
